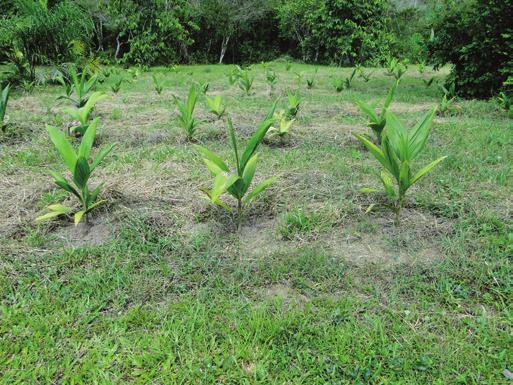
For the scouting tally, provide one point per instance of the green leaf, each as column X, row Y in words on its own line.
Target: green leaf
column 78, row 216
column 82, row 172
column 102, row 154
column 367, row 110
column 212, row 157
column 64, row 148
column 424, row 170
column 231, row 131
column 249, row 172
column 387, row 184
column 221, row 183
column 88, row 139
column 368, row 190
column 64, row 184
column 374, row 150
column 213, row 167
column 94, row 205
column 390, row 97
column 420, row 133
column 258, row 135
column 259, row 188
column 55, row 211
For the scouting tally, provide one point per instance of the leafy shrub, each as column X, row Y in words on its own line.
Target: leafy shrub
column 343, row 32
column 81, row 169
column 399, row 148
column 477, row 38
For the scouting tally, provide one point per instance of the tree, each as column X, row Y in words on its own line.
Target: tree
column 476, row 36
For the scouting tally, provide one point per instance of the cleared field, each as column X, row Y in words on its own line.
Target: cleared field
column 312, row 289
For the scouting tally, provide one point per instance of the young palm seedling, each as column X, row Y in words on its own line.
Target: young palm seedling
column 399, row 148
column 294, row 104
column 4, row 99
column 81, row 86
column 116, row 86
column 238, row 181
column 446, row 105
column 310, row 82
column 339, row 85
column 281, row 126
column 362, row 74
column 83, row 114
column 377, row 122
column 349, row 80
column 159, row 87
column 271, row 79
column 65, row 83
column 421, row 66
column 216, row 106
column 428, row 82
column 186, row 113
column 246, row 81
column 80, row 167
column 234, row 75
column 505, row 101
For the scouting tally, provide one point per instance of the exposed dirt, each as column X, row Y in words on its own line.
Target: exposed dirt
column 417, row 240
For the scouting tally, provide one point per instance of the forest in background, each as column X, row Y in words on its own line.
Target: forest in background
column 332, row 32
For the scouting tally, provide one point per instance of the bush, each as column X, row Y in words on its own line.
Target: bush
column 337, row 31
column 476, row 36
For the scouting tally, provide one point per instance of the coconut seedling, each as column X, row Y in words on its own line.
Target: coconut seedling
column 348, row 82
column 4, row 99
column 281, row 126
column 116, row 86
column 65, row 83
column 294, row 104
column 81, row 86
column 399, row 148
column 377, row 122
column 157, row 83
column 428, row 82
column 237, row 180
column 216, row 106
column 271, row 79
column 446, row 105
column 186, row 112
column 362, row 73
column 202, row 87
column 505, row 101
column 339, row 85
column 82, row 115
column 81, row 167
column 246, row 81
column 421, row 66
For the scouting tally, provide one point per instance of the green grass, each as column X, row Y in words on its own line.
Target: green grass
column 311, row 290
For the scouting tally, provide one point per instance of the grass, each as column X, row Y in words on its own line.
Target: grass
column 312, row 290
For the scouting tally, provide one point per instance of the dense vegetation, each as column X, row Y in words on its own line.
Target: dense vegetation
column 474, row 35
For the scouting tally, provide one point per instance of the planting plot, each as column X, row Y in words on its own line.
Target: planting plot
column 311, row 282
